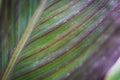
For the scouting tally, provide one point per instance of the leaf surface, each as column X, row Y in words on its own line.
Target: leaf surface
column 57, row 39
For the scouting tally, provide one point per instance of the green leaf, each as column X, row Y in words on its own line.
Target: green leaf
column 55, row 39
column 114, row 72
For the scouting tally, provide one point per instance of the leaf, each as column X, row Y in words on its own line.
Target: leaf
column 114, row 72
column 57, row 39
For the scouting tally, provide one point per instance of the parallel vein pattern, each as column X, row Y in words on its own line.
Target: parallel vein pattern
column 69, row 37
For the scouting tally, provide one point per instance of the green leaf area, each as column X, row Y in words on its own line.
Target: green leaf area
column 52, row 39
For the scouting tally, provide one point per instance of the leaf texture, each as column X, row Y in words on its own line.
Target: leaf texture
column 58, row 39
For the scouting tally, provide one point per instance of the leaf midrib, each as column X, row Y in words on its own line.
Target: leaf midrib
column 25, row 36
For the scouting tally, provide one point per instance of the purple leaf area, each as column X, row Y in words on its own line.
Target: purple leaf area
column 95, row 68
column 97, row 65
